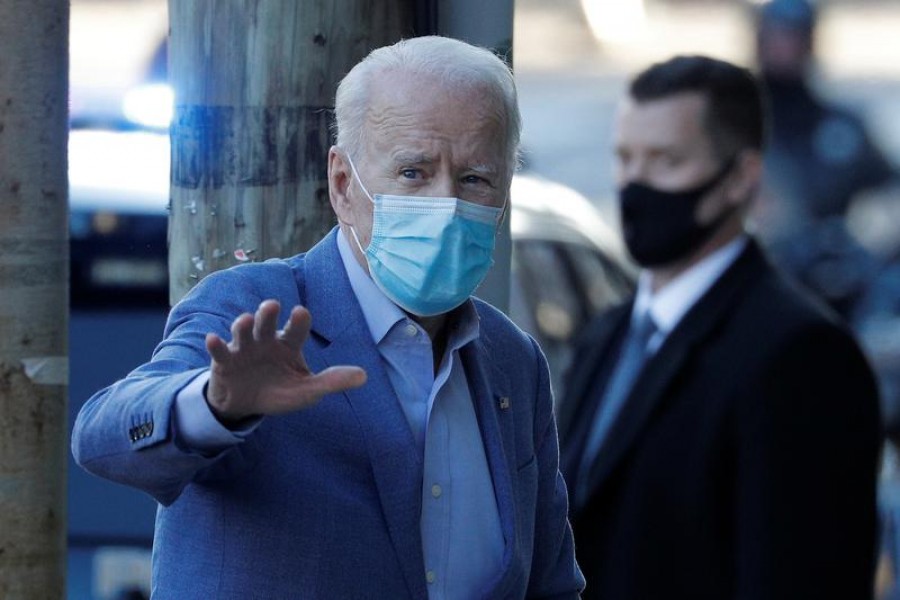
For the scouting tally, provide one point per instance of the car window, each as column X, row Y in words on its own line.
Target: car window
column 544, row 300
column 553, row 294
column 603, row 284
column 556, row 287
column 118, row 260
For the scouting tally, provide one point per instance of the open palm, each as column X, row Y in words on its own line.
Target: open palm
column 261, row 371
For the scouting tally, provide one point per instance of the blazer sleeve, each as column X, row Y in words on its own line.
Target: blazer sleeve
column 554, row 571
column 126, row 432
column 808, row 442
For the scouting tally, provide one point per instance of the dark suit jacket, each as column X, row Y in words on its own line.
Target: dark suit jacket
column 744, row 462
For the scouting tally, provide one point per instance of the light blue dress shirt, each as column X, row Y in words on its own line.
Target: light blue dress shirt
column 462, row 541
column 460, row 523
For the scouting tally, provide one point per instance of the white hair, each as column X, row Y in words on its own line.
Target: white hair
column 452, row 61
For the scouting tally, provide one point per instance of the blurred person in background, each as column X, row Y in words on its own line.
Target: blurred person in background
column 820, row 161
column 820, row 158
column 720, row 431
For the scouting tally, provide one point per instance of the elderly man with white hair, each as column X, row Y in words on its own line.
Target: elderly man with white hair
column 350, row 422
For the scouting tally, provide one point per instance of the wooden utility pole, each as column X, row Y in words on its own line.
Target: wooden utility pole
column 33, row 296
column 254, row 82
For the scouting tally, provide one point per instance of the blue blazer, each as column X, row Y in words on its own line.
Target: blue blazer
column 325, row 502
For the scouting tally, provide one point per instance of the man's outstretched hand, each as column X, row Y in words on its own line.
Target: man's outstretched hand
column 262, row 370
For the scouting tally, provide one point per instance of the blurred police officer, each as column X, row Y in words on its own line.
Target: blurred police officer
column 820, row 155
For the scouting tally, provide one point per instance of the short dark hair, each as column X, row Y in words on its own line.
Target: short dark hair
column 736, row 114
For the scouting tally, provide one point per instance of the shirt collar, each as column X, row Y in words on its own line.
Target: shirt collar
column 671, row 303
column 382, row 314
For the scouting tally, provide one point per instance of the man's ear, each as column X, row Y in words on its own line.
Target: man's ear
column 747, row 177
column 339, row 178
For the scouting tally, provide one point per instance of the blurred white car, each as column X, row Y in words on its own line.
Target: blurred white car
column 567, row 265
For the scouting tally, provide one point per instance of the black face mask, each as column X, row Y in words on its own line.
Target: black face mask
column 661, row 227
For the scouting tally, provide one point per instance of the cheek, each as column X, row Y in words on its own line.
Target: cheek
column 685, row 174
column 362, row 223
column 357, row 211
column 711, row 207
column 365, row 236
column 679, row 177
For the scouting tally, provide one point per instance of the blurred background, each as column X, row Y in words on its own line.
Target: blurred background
column 572, row 59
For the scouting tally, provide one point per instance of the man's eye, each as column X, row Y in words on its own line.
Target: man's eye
column 409, row 173
column 475, row 179
column 671, row 160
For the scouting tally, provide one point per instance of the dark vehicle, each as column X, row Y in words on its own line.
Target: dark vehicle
column 565, row 268
column 119, row 298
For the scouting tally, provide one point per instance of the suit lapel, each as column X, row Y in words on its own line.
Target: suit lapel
column 496, row 425
column 494, row 409
column 340, row 329
column 649, row 390
column 596, row 343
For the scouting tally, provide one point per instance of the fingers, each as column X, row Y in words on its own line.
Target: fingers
column 297, row 328
column 263, row 325
column 248, row 330
column 242, row 331
column 335, row 379
column 266, row 320
column 217, row 348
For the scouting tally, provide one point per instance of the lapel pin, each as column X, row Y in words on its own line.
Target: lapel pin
column 504, row 403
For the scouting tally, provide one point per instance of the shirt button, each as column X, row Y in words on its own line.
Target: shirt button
column 430, row 576
column 436, row 491
column 411, row 330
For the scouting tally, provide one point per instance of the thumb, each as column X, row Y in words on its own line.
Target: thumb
column 336, row 379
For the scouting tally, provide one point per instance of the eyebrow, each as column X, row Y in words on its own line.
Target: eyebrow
column 412, row 159
column 485, row 169
column 658, row 149
column 669, row 150
column 421, row 159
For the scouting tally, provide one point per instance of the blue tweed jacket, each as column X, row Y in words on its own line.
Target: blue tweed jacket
column 325, row 502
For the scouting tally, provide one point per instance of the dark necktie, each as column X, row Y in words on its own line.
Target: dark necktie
column 631, row 359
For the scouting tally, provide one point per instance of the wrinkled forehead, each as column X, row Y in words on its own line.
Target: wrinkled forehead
column 416, row 93
column 436, row 118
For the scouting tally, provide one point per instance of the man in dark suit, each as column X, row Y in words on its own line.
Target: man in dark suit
column 720, row 431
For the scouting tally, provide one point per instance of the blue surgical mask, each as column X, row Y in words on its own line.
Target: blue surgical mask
column 428, row 254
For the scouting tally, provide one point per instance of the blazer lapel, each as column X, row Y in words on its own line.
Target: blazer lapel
column 341, row 330
column 649, row 390
column 497, row 429
column 595, row 345
column 496, row 419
